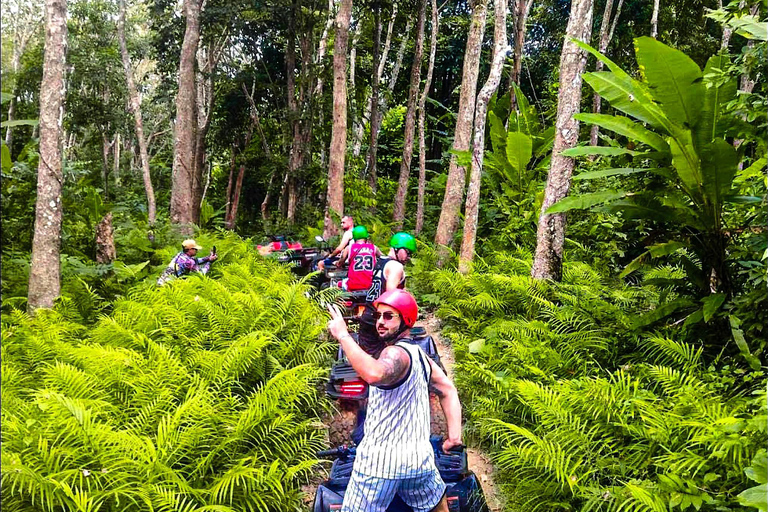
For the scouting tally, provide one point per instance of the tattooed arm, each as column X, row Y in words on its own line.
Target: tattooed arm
column 449, row 401
column 391, row 366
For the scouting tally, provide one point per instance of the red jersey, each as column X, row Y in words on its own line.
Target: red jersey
column 362, row 260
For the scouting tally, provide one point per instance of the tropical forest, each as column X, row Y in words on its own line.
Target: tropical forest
column 369, row 255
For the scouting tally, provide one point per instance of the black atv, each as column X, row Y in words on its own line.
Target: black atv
column 463, row 491
column 344, row 382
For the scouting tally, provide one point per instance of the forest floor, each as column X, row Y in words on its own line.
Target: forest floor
column 341, row 423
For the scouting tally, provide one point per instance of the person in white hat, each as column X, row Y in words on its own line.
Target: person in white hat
column 186, row 262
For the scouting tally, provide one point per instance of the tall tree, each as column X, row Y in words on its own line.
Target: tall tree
column 135, row 105
column 410, row 119
column 522, row 8
column 655, row 19
column 501, row 49
column 454, row 187
column 550, row 237
column 184, row 179
column 335, row 193
column 373, row 105
column 45, row 270
column 607, row 27
column 422, row 119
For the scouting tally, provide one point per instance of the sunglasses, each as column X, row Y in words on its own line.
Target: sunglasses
column 387, row 316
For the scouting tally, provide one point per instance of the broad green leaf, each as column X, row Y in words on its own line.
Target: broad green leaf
column 719, row 164
column 19, row 122
column 615, row 68
column 526, row 119
column 519, row 150
column 542, row 144
column 5, row 98
column 7, row 163
column 742, row 199
column 463, row 158
column 660, row 312
column 605, row 173
column 711, row 304
column 756, row 169
column 584, row 201
column 628, row 96
column 758, row 471
column 717, row 94
column 754, row 362
column 674, row 79
column 745, row 25
column 498, row 132
column 600, row 150
column 476, row 346
column 654, row 251
column 686, row 163
column 626, row 127
column 756, row 497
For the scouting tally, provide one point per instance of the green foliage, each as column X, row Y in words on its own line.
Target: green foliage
column 198, row 395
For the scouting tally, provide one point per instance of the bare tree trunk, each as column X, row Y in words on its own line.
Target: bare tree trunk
column 105, row 241
column 522, row 8
column 335, row 194
column 106, row 148
column 116, row 160
column 357, row 121
column 607, row 28
column 410, row 120
column 422, row 120
column 400, row 55
column 135, row 105
column 11, row 117
column 374, row 103
column 655, row 19
column 236, row 198
column 501, row 49
column 183, row 180
column 387, row 41
column 454, row 188
column 45, row 270
column 267, row 197
column 548, row 259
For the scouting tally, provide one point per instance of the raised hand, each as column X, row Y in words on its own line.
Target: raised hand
column 337, row 326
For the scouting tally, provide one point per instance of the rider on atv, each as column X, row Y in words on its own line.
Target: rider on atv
column 347, row 224
column 361, row 256
column 389, row 272
column 395, row 456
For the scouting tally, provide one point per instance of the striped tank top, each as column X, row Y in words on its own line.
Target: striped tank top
column 397, row 427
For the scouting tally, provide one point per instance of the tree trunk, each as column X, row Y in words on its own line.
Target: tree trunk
column 236, row 198
column 400, row 55
column 410, row 120
column 454, row 187
column 655, row 19
column 106, row 148
column 501, row 49
column 184, row 180
column 116, row 160
column 335, row 194
column 105, row 241
column 267, row 197
column 522, row 8
column 422, row 120
column 607, row 28
column 550, row 237
column 374, row 103
column 135, row 105
column 11, row 117
column 228, row 206
column 357, row 121
column 45, row 271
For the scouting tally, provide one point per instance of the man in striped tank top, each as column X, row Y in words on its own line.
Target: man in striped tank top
column 395, row 456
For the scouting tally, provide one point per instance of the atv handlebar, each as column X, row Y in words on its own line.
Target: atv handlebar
column 334, row 453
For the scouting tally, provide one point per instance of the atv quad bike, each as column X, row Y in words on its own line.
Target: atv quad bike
column 463, row 490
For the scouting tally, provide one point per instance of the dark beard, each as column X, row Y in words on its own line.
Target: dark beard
column 369, row 338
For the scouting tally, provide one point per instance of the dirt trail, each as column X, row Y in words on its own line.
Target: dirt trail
column 341, row 422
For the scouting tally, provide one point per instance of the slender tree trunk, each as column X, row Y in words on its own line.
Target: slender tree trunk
column 548, row 259
column 236, row 198
column 183, row 180
column 422, row 120
column 374, row 103
column 116, row 160
column 655, row 19
column 387, row 41
column 11, row 117
column 522, row 8
column 106, row 148
column 410, row 120
column 357, row 121
column 45, row 271
column 454, row 188
column 105, row 241
column 228, row 206
column 138, row 122
column 400, row 55
column 607, row 28
column 501, row 49
column 267, row 197
column 335, row 194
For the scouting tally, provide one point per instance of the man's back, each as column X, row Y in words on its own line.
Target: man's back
column 362, row 260
column 397, row 427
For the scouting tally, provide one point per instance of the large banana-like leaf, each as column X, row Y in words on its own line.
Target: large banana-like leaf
column 717, row 93
column 525, row 119
column 519, row 150
column 600, row 151
column 626, row 127
column 719, row 164
column 605, row 173
column 675, row 80
column 687, row 164
column 498, row 132
column 584, row 201
column 628, row 96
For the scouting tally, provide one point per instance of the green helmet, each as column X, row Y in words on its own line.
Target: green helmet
column 403, row 240
column 359, row 233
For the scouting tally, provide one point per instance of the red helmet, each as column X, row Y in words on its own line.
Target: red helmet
column 403, row 302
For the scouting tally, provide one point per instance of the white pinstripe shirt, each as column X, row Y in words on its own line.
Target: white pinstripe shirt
column 397, row 427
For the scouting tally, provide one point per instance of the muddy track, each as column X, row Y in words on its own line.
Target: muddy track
column 342, row 422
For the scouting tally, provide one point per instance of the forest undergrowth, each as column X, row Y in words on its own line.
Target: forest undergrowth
column 198, row 395
column 588, row 401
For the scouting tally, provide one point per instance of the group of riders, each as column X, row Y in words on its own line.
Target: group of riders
column 395, row 456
